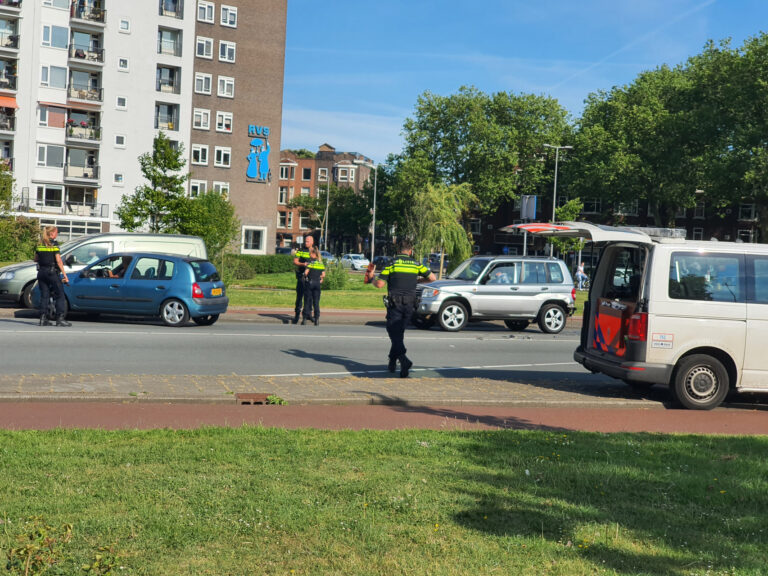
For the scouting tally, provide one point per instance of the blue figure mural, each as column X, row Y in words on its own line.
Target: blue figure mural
column 258, row 160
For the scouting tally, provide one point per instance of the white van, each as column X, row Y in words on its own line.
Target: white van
column 17, row 280
column 692, row 315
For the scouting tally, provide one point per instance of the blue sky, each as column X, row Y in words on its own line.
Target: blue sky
column 354, row 69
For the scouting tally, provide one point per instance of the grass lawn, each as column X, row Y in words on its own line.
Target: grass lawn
column 269, row 501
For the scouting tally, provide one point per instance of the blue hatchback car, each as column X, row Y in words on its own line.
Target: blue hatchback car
column 175, row 288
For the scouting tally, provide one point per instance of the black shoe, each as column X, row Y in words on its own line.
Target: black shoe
column 295, row 319
column 316, row 321
column 60, row 321
column 44, row 320
column 405, row 365
column 392, row 364
column 303, row 321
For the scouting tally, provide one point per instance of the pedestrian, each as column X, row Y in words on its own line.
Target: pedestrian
column 49, row 265
column 300, row 259
column 581, row 277
column 314, row 274
column 401, row 278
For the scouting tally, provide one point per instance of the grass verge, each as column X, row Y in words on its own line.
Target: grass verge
column 271, row 501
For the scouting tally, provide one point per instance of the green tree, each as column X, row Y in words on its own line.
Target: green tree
column 6, row 188
column 212, row 217
column 159, row 206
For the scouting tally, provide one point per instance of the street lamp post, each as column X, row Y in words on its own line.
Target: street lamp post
column 375, row 169
column 554, row 193
column 327, row 205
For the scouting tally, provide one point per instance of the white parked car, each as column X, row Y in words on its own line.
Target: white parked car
column 354, row 261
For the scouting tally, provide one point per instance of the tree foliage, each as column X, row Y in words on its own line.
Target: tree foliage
column 6, row 188
column 212, row 217
column 18, row 238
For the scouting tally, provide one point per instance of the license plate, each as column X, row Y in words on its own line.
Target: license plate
column 216, row 292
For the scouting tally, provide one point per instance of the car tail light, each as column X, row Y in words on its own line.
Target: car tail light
column 638, row 327
column 573, row 294
column 197, row 292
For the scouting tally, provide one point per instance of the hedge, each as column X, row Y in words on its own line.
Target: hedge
column 246, row 266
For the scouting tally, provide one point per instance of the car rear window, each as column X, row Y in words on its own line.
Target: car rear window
column 204, row 271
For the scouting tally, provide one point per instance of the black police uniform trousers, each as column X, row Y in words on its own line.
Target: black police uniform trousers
column 50, row 286
column 300, row 286
column 312, row 299
column 399, row 312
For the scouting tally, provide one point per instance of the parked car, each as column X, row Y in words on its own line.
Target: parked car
column 17, row 280
column 433, row 262
column 516, row 289
column 381, row 262
column 354, row 261
column 327, row 256
column 174, row 288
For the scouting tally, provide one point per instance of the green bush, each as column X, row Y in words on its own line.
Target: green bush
column 18, row 238
column 335, row 276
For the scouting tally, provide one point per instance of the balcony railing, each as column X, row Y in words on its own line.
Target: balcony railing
column 8, row 82
column 172, row 9
column 166, row 123
column 86, row 54
column 90, row 13
column 9, row 39
column 169, row 47
column 59, row 207
column 10, row 4
column 7, row 123
column 85, row 93
column 78, row 132
column 86, row 172
column 169, row 86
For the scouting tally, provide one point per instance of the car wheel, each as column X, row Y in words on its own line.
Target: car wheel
column 423, row 322
column 26, row 295
column 516, row 325
column 174, row 313
column 700, row 383
column 206, row 320
column 453, row 316
column 551, row 319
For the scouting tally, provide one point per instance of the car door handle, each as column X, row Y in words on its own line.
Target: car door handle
column 514, row 288
column 159, row 287
column 114, row 285
column 543, row 288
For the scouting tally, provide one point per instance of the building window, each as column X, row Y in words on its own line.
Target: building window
column 118, row 179
column 474, row 225
column 592, row 206
column 229, row 16
column 55, row 36
column 226, row 51
column 680, row 214
column 287, row 172
column 53, row 77
column 745, row 235
column 698, row 234
column 50, row 195
column 122, row 64
column 626, row 208
column 203, row 83
column 281, row 219
column 205, row 12
column 303, row 221
column 43, row 116
column 222, row 156
column 698, row 211
column 253, row 240
column 306, row 173
column 305, row 191
column 197, row 187
column 64, row 4
column 201, row 119
column 343, row 175
column 119, row 140
column 747, row 212
column 221, row 188
column 169, row 42
column 204, row 48
column 50, row 156
column 322, row 174
column 124, row 26
column 226, row 87
column 200, row 154
column 121, row 103
column 282, row 195
column 224, row 122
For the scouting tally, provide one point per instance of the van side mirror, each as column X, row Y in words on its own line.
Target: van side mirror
column 70, row 260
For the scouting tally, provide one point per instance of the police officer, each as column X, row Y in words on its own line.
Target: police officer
column 49, row 265
column 300, row 259
column 401, row 278
column 315, row 274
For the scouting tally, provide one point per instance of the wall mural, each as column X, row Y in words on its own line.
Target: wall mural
column 258, row 159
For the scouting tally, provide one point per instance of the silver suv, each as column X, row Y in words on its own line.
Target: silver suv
column 516, row 289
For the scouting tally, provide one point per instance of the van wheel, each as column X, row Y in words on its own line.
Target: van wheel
column 26, row 295
column 174, row 313
column 453, row 316
column 551, row 319
column 701, row 382
column 516, row 325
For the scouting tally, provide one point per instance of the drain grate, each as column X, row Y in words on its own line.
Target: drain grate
column 251, row 398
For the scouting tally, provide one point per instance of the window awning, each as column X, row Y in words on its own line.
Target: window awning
column 82, row 106
column 8, row 102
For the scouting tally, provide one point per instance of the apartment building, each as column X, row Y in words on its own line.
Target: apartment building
column 86, row 85
column 309, row 177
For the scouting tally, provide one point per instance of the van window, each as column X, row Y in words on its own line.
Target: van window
column 624, row 273
column 758, row 272
column 90, row 253
column 709, row 277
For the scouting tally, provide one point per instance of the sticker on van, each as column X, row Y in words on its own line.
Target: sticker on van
column 665, row 341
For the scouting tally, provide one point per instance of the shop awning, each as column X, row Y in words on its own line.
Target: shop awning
column 8, row 102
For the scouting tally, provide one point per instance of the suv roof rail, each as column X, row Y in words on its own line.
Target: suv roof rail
column 656, row 232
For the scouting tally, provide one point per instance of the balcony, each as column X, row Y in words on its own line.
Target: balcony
column 169, row 47
column 168, row 86
column 85, row 55
column 166, row 123
column 12, row 6
column 172, row 8
column 92, row 209
column 72, row 172
column 8, row 82
column 9, row 40
column 79, row 92
column 79, row 134
column 92, row 14
column 7, row 123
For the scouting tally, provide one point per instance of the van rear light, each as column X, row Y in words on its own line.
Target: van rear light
column 197, row 292
column 638, row 327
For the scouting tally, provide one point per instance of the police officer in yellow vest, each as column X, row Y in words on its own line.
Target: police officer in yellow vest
column 49, row 265
column 401, row 278
column 315, row 274
column 301, row 258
